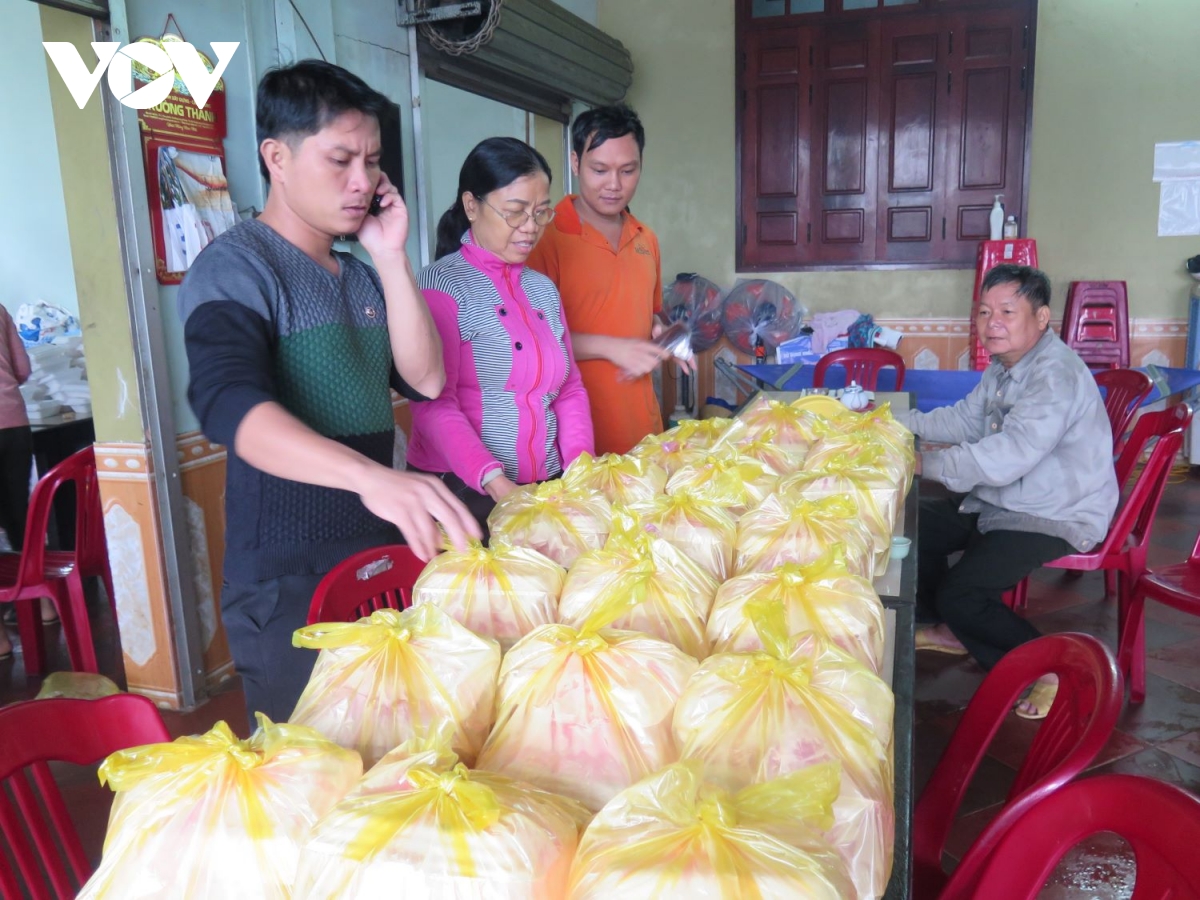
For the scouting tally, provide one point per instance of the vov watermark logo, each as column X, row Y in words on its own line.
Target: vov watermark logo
column 169, row 59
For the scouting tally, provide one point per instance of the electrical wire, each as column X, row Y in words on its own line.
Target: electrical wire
column 304, row 22
column 467, row 45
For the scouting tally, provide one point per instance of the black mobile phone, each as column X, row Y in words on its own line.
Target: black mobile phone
column 373, row 209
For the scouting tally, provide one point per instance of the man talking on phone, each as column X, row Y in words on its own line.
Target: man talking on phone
column 292, row 347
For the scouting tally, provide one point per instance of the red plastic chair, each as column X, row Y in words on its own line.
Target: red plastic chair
column 1096, row 322
column 38, row 833
column 1077, row 727
column 1124, row 391
column 1160, row 821
column 1177, row 586
column 58, row 574
column 862, row 364
column 380, row 578
column 1124, row 549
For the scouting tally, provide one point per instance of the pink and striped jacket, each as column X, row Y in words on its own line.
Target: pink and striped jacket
column 513, row 398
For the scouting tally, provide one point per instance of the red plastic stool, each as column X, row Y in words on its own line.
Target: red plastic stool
column 1096, row 322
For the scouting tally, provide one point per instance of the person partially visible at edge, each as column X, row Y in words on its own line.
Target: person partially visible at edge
column 514, row 410
column 291, row 348
column 608, row 269
column 1031, row 471
column 16, row 446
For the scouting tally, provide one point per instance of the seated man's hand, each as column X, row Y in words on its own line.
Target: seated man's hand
column 415, row 504
column 917, row 469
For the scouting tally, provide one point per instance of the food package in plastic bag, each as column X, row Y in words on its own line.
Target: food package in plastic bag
column 77, row 686
column 825, row 409
column 586, row 712
column 752, row 717
column 671, row 594
column 383, row 679
column 421, row 825
column 823, row 596
column 214, row 818
column 877, row 498
column 666, row 453
column 704, row 531
column 761, row 310
column 699, row 434
column 726, row 479
column 790, row 428
column 863, row 431
column 785, row 530
column 621, row 479
column 675, row 836
column 553, row 520
column 499, row 591
column 774, row 458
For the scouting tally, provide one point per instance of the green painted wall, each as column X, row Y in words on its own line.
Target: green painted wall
column 1112, row 77
column 91, row 214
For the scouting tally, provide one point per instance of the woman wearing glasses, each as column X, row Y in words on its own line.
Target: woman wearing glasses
column 514, row 409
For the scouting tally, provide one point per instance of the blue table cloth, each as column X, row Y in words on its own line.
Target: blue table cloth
column 942, row 387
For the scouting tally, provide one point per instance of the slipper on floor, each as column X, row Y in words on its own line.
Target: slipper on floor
column 924, row 643
column 1041, row 698
column 7, row 655
column 52, row 620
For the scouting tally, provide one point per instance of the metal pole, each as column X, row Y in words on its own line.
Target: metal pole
column 154, row 382
column 414, row 80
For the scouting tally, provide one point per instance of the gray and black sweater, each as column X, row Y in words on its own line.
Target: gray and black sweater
column 264, row 322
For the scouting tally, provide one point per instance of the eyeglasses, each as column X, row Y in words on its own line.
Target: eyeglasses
column 518, row 217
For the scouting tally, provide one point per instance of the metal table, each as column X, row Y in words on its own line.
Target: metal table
column 898, row 590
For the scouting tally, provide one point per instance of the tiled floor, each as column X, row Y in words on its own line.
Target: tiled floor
column 1160, row 739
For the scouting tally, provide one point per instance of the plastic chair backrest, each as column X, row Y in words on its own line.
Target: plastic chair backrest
column 50, row 860
column 1138, row 507
column 1096, row 321
column 1078, row 726
column 1160, row 821
column 862, row 364
column 380, row 578
column 1124, row 390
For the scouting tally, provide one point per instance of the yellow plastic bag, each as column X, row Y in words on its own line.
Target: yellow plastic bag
column 775, row 459
column 864, row 430
column 790, row 428
column 421, row 825
column 823, row 597
column 77, row 685
column 785, row 530
column 752, row 717
column 621, row 479
column 863, row 478
column 699, row 434
column 215, row 818
column 383, row 679
column 586, row 712
column 499, row 591
column 726, row 479
column 671, row 594
column 825, row 408
column 663, row 452
column 676, row 837
column 704, row 531
column 558, row 523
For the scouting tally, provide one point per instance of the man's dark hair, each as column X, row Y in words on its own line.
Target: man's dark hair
column 299, row 100
column 1032, row 284
column 594, row 127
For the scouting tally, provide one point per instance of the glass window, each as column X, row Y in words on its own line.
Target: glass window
column 900, row 2
column 761, row 9
column 808, row 6
column 860, row 4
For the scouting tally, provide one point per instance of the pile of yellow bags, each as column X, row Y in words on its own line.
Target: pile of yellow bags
column 787, row 530
column 621, row 479
column 214, row 817
column 726, row 479
column 387, row 678
column 551, row 518
column 704, row 531
column 498, row 591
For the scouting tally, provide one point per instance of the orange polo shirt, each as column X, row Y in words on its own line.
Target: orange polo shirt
column 609, row 292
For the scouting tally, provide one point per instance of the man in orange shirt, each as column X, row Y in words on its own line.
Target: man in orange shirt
column 607, row 267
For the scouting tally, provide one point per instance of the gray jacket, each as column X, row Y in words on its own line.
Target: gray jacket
column 1033, row 448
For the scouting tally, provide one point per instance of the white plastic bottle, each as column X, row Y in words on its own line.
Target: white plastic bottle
column 996, row 219
column 1011, row 228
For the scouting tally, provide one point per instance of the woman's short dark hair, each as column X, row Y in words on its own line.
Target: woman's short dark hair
column 299, row 100
column 594, row 127
column 494, row 163
column 1032, row 284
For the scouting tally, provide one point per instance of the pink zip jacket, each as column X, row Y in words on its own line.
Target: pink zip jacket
column 513, row 398
column 14, row 372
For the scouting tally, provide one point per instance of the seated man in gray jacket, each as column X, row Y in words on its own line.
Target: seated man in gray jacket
column 1031, row 471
